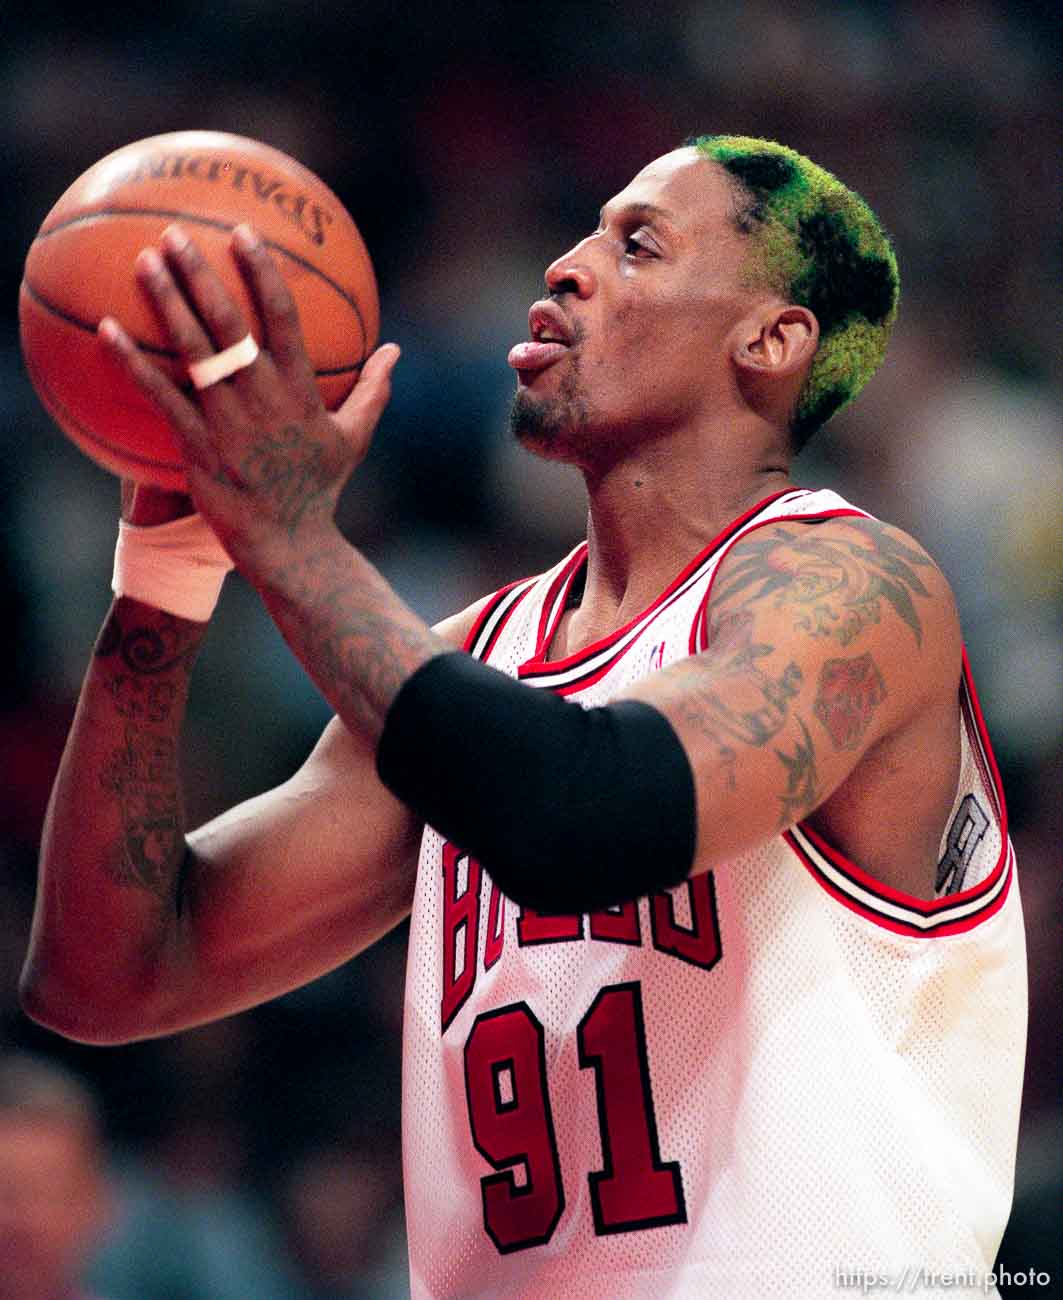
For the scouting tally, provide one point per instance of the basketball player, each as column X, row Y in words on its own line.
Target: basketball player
column 716, row 976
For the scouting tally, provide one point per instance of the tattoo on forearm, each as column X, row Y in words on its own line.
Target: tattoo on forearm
column 802, row 782
column 157, row 659
column 836, row 587
column 148, row 662
column 357, row 644
column 142, row 775
column 150, row 650
column 292, row 471
column 849, row 692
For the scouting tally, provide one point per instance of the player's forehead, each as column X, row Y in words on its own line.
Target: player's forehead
column 683, row 187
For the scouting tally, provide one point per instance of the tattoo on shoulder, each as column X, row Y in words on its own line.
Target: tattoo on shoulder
column 850, row 690
column 835, row 586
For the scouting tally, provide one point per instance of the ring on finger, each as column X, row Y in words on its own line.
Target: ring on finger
column 211, row 370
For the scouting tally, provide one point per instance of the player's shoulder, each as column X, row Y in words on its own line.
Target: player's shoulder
column 841, row 577
column 456, row 629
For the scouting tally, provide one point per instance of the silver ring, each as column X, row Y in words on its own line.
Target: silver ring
column 223, row 364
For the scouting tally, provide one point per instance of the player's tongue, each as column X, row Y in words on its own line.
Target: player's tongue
column 536, row 354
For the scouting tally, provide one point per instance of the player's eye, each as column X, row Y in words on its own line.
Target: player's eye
column 636, row 245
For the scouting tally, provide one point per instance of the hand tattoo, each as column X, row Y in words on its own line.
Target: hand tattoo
column 291, row 471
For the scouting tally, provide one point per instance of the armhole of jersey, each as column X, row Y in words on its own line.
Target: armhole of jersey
column 951, row 913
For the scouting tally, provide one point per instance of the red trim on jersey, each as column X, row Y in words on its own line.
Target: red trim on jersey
column 932, row 930
column 934, row 911
column 488, row 611
column 556, row 600
column 996, row 785
column 699, row 629
column 536, row 666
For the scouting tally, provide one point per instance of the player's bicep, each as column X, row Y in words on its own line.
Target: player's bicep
column 821, row 641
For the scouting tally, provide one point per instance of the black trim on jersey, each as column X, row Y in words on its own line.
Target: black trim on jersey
column 494, row 616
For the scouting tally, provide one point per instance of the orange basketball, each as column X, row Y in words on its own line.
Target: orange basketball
column 80, row 268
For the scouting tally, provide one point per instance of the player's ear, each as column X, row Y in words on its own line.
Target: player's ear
column 775, row 342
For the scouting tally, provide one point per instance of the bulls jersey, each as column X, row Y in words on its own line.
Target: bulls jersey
column 743, row 1087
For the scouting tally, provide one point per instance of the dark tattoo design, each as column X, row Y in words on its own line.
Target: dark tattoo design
column 802, row 792
column 752, row 717
column 766, row 698
column 147, row 701
column 849, row 692
column 151, row 649
column 837, row 587
column 292, row 471
column 143, row 776
column 357, row 643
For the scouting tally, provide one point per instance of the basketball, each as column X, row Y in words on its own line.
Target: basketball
column 80, row 268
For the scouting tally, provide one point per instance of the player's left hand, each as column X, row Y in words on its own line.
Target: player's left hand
column 265, row 461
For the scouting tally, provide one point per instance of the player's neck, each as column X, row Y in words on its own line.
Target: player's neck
column 649, row 516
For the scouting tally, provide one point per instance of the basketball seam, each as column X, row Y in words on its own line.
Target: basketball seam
column 324, row 373
column 214, row 224
column 61, row 412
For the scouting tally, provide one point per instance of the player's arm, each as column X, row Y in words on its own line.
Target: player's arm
column 826, row 641
column 140, row 930
column 613, row 802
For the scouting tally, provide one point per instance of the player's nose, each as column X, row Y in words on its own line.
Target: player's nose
column 572, row 273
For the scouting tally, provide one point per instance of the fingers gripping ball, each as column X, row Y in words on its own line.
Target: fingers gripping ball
column 80, row 268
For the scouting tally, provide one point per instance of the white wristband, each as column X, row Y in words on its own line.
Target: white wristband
column 178, row 567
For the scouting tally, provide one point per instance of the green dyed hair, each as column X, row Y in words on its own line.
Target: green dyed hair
column 820, row 246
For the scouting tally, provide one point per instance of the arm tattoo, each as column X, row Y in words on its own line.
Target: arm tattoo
column 148, row 665
column 763, row 707
column 802, row 792
column 357, row 643
column 142, row 774
column 835, row 586
column 849, row 692
column 151, row 649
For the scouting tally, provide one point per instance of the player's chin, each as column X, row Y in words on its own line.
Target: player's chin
column 539, row 424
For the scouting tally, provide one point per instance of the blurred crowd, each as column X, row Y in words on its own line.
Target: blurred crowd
column 473, row 143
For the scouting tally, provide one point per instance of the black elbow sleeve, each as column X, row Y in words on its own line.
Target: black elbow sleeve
column 568, row 809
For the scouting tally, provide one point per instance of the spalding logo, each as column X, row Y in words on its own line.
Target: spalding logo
column 308, row 216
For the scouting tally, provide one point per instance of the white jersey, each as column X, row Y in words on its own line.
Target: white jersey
column 773, row 1080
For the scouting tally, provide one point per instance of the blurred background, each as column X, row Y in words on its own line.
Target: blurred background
column 259, row 1158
